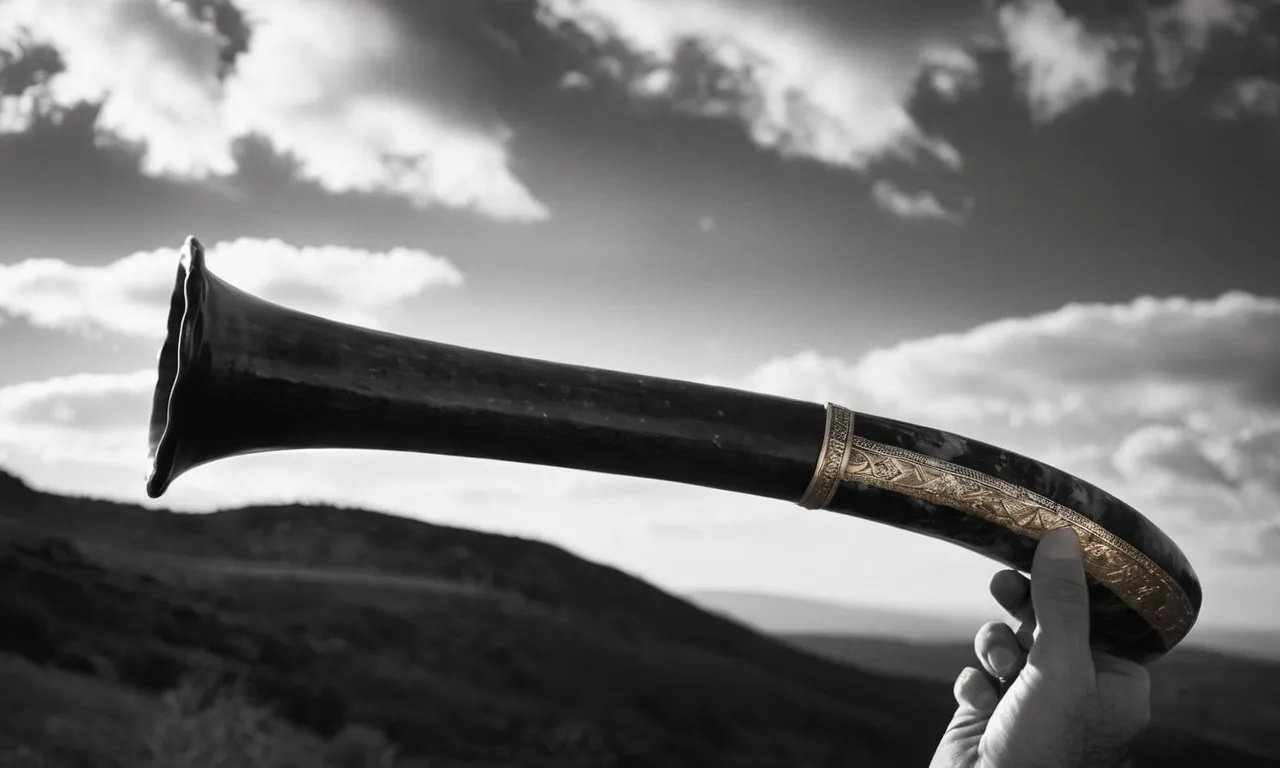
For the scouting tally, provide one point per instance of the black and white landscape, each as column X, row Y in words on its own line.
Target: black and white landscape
column 1050, row 225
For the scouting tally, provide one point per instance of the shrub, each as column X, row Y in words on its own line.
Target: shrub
column 210, row 722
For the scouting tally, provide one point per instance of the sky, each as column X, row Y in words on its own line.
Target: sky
column 1050, row 226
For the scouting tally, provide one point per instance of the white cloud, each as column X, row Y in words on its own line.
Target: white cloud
column 1061, row 64
column 1181, row 32
column 951, row 71
column 575, row 81
column 795, row 87
column 76, row 418
column 339, row 86
column 131, row 296
column 1173, row 404
column 911, row 205
column 1064, row 62
column 18, row 111
column 1251, row 96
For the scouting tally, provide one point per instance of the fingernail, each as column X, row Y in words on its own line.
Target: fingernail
column 1061, row 544
column 1001, row 660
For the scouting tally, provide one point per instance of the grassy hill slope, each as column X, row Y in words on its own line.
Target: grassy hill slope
column 462, row 648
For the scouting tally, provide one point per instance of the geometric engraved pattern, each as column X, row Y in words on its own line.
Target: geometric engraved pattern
column 1113, row 562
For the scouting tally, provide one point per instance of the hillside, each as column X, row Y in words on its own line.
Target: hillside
column 458, row 647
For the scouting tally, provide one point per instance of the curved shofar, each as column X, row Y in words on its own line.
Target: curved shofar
column 239, row 375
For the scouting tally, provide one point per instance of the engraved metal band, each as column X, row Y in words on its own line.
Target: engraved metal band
column 1131, row 575
column 832, row 459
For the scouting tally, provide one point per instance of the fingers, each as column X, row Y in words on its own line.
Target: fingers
column 975, row 694
column 1060, row 599
column 1012, row 591
column 998, row 650
column 976, row 698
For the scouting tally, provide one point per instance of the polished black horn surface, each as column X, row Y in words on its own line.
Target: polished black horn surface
column 239, row 375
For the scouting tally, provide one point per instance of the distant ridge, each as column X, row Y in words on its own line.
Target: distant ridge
column 788, row 615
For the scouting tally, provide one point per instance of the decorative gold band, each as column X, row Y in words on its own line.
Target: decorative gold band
column 1118, row 565
column 832, row 460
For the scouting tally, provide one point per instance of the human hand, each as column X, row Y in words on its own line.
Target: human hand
column 1069, row 706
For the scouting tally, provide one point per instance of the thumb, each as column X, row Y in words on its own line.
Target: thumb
column 1060, row 598
column 976, row 698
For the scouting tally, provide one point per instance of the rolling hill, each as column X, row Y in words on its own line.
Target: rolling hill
column 124, row 629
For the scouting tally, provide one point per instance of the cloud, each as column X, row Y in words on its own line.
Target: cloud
column 1162, row 449
column 1249, row 97
column 1066, row 60
column 835, row 83
column 76, row 418
column 1181, row 32
column 338, row 86
column 912, row 205
column 1268, row 549
column 1060, row 63
column 131, row 296
column 951, row 71
column 797, row 87
column 832, row 83
column 1172, row 404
